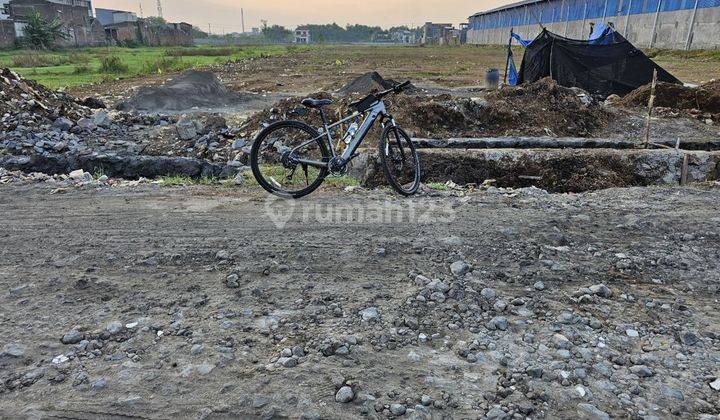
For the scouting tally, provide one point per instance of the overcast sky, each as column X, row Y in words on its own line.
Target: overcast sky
column 225, row 14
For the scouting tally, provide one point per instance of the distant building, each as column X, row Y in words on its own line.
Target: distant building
column 110, row 16
column 403, row 37
column 80, row 25
column 435, row 33
column 141, row 31
column 302, row 35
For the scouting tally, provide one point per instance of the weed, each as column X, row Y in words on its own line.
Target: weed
column 98, row 173
column 112, row 64
column 164, row 65
column 174, row 180
column 78, row 58
column 341, row 181
column 33, row 59
column 82, row 69
column 437, row 186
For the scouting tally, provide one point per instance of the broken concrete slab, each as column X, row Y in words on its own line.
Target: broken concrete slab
column 131, row 167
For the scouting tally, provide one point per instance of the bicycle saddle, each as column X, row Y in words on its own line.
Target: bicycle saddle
column 315, row 103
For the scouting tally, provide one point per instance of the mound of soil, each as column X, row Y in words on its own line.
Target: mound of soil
column 705, row 98
column 191, row 89
column 541, row 108
column 366, row 84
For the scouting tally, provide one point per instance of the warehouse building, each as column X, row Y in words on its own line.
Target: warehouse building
column 677, row 24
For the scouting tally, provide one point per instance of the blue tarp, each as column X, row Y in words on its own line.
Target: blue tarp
column 602, row 34
column 523, row 42
column 512, row 77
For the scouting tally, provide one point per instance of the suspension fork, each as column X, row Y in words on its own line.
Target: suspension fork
column 397, row 136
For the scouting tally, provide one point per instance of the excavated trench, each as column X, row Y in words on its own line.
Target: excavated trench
column 553, row 164
column 554, row 170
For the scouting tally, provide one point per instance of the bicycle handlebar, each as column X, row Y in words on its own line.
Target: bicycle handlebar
column 395, row 89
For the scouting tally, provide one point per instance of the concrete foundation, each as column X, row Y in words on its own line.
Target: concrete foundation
column 552, row 143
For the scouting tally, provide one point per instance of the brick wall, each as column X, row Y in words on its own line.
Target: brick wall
column 7, row 34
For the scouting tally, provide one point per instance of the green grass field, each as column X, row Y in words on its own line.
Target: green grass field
column 75, row 67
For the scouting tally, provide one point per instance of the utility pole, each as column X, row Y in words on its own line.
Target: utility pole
column 688, row 42
column 242, row 19
column 159, row 8
column 209, row 30
column 141, row 10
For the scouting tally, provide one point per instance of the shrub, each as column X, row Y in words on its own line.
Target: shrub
column 162, row 65
column 113, row 64
column 82, row 69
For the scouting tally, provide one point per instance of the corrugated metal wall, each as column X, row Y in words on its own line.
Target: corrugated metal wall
column 703, row 23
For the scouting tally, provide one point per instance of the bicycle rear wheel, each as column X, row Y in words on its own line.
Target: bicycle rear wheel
column 274, row 159
column 400, row 161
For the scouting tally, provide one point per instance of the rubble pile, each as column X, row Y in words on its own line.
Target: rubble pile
column 50, row 131
column 26, row 102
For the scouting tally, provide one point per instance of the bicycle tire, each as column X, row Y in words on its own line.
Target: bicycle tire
column 403, row 142
column 255, row 155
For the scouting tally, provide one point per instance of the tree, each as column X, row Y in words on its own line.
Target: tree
column 155, row 21
column 41, row 34
column 276, row 33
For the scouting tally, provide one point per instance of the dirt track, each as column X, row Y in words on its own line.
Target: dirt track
column 160, row 258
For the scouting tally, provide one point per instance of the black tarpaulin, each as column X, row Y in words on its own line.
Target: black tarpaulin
column 599, row 68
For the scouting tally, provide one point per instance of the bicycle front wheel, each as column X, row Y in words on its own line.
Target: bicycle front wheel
column 277, row 154
column 400, row 161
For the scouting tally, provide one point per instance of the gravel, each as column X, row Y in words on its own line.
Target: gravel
column 132, row 278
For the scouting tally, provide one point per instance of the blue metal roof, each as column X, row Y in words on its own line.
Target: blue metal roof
column 508, row 6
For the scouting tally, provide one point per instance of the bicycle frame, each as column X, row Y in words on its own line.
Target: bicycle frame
column 372, row 114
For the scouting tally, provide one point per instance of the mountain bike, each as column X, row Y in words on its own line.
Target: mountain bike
column 291, row 159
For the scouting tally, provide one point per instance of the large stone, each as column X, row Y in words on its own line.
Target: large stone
column 114, row 327
column 459, row 268
column 370, row 314
column 15, row 350
column 601, row 290
column 590, row 412
column 72, row 337
column 186, row 129
column 102, row 119
column 63, row 124
column 344, row 395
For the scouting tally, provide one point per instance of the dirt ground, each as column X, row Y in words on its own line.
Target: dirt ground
column 450, row 90
column 330, row 67
column 156, row 302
